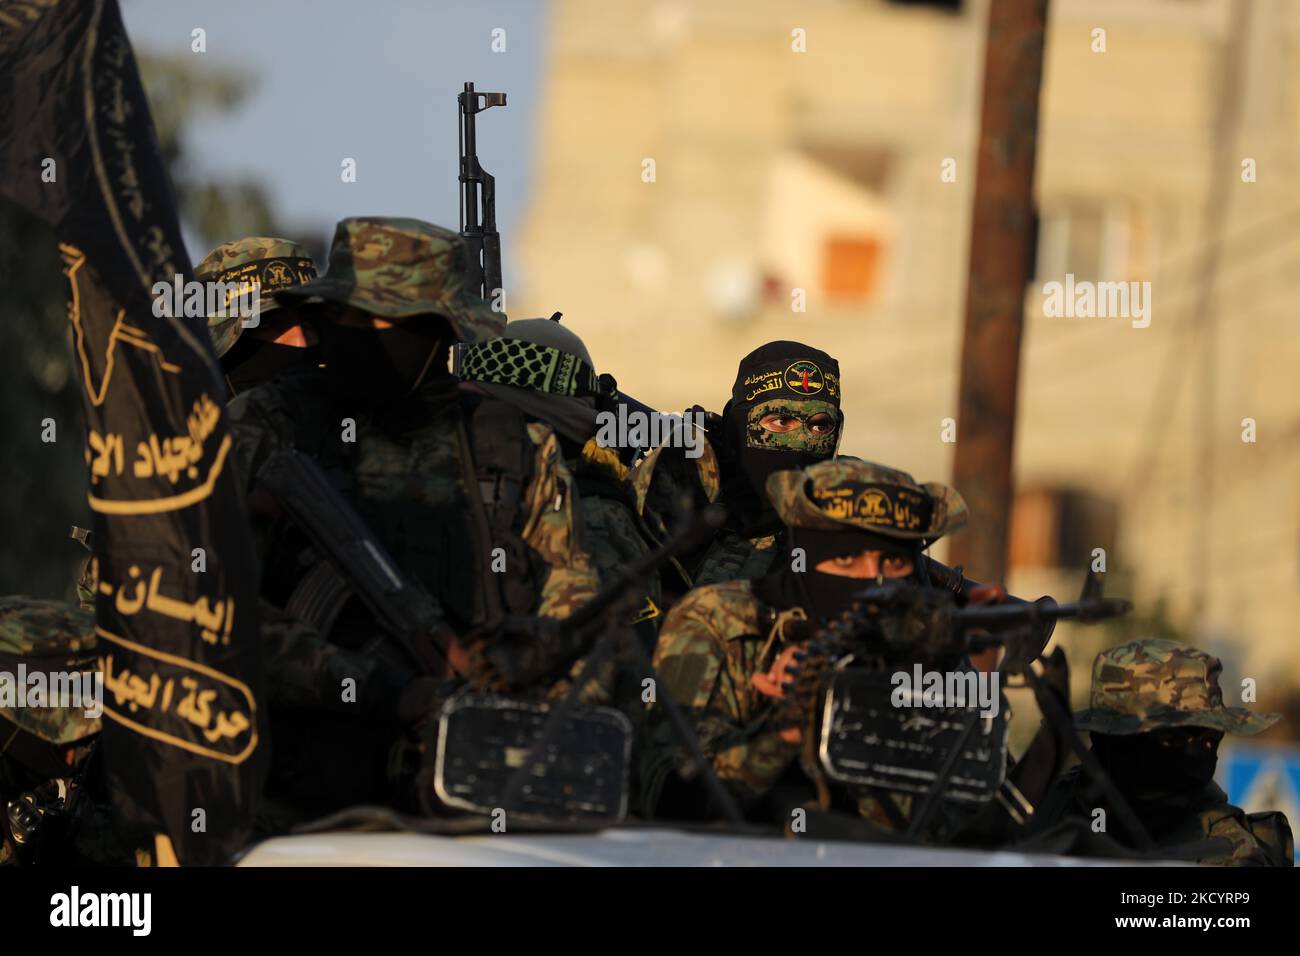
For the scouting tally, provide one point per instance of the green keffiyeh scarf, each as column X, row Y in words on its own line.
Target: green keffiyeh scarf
column 502, row 361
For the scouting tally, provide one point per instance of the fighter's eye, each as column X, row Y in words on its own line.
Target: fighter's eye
column 897, row 565
column 779, row 423
column 821, row 424
column 845, row 560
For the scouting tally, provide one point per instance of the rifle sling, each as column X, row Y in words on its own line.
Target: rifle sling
column 492, row 607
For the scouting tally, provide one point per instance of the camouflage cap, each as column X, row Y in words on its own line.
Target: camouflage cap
column 848, row 492
column 1152, row 684
column 46, row 637
column 270, row 264
column 398, row 268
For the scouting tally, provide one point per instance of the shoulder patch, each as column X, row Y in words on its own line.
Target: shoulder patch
column 690, row 678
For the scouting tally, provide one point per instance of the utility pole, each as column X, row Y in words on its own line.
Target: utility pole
column 1001, row 262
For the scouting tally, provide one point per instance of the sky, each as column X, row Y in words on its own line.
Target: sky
column 373, row 81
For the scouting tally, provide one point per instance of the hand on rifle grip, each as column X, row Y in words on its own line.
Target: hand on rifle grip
column 472, row 663
column 795, row 679
column 987, row 594
column 772, row 684
column 459, row 659
column 515, row 653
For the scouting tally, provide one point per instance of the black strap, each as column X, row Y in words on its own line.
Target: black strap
column 490, row 605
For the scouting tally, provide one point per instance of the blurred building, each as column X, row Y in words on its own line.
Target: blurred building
column 705, row 169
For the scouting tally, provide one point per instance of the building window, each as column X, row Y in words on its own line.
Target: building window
column 826, row 227
column 1091, row 239
column 1059, row 528
column 851, row 268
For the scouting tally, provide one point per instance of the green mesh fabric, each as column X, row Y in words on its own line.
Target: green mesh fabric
column 528, row 365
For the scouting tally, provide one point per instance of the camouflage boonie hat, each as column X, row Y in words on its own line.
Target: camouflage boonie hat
column 849, row 492
column 398, row 268
column 270, row 264
column 45, row 636
column 1153, row 684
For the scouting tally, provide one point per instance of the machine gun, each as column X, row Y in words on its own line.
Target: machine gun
column 897, row 622
column 861, row 722
column 478, row 206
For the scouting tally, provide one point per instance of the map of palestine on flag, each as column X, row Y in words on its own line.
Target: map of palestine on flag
column 176, row 608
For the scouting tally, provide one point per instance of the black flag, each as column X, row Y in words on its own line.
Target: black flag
column 176, row 607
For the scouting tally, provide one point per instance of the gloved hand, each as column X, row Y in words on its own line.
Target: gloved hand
column 517, row 652
column 794, row 633
column 796, row 679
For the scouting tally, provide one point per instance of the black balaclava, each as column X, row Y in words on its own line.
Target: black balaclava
column 1160, row 769
column 371, row 368
column 253, row 361
column 825, row 595
column 777, row 378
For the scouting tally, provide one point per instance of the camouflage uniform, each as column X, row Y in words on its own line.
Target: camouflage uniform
column 410, row 485
column 546, row 371
column 406, row 472
column 1149, row 685
column 665, row 476
column 34, row 630
column 719, row 637
column 416, row 475
column 44, row 749
column 712, row 643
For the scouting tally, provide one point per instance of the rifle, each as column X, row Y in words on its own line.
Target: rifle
column 478, row 191
column 359, row 562
column 482, row 241
column 628, row 454
column 869, row 635
column 1025, row 626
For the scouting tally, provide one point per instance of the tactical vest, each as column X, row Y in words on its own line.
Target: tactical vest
column 503, row 460
column 731, row 558
column 616, row 536
column 445, row 496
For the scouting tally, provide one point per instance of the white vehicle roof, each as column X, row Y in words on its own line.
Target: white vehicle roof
column 622, row 846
